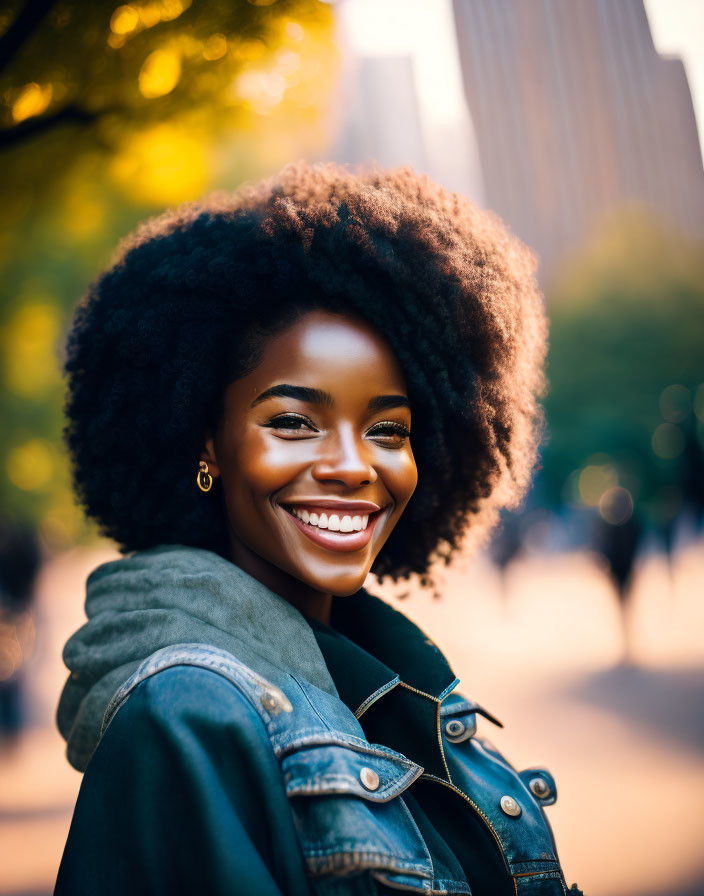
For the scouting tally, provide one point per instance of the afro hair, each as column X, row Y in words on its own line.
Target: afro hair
column 193, row 295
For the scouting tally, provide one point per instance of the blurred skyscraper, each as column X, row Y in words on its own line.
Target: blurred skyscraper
column 575, row 113
column 382, row 117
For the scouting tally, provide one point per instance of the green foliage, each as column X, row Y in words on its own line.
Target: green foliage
column 626, row 367
column 79, row 78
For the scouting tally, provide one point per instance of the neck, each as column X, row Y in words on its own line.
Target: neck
column 304, row 598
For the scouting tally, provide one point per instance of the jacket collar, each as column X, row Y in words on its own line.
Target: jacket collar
column 379, row 645
column 389, row 673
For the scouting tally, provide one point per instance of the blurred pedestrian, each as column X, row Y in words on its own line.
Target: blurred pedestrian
column 618, row 543
column 20, row 562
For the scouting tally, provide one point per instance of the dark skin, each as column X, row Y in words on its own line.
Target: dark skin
column 280, row 450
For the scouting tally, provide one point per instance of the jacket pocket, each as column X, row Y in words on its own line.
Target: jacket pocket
column 351, row 818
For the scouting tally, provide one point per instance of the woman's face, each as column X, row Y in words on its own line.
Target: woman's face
column 313, row 452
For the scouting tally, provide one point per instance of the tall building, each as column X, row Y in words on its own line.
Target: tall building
column 576, row 113
column 381, row 119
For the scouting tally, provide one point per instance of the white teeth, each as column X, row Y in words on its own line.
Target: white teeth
column 333, row 522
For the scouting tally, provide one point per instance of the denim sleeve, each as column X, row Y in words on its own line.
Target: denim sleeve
column 183, row 795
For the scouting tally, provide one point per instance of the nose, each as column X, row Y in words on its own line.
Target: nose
column 345, row 459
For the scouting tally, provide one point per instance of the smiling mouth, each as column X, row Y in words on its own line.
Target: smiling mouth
column 336, row 540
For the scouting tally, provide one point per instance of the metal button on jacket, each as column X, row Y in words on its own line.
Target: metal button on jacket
column 540, row 788
column 275, row 701
column 454, row 728
column 510, row 806
column 369, row 778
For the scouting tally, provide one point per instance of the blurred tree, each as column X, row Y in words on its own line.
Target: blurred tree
column 626, row 368
column 108, row 113
column 142, row 84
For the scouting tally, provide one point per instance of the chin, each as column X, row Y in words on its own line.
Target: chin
column 342, row 587
column 347, row 591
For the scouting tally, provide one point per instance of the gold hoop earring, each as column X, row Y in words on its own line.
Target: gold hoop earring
column 203, row 477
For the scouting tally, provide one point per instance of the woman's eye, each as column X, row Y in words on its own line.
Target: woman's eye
column 290, row 421
column 396, row 431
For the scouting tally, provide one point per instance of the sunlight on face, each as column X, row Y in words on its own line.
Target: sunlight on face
column 321, row 425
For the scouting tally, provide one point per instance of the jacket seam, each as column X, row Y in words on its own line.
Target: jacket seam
column 310, row 703
column 372, row 698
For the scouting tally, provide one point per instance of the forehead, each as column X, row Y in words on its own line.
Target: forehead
column 342, row 354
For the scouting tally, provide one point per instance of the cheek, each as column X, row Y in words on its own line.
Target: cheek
column 262, row 465
column 402, row 476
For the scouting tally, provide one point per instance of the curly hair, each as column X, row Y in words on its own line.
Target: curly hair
column 193, row 295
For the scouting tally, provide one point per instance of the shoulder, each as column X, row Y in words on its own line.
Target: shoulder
column 192, row 680
column 181, row 692
column 181, row 713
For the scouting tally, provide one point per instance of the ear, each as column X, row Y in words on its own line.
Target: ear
column 208, row 454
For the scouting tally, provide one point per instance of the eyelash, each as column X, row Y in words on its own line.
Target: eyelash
column 276, row 423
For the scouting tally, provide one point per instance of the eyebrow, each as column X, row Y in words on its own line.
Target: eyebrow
column 321, row 397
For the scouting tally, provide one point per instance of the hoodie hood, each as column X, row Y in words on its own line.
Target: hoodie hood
column 166, row 595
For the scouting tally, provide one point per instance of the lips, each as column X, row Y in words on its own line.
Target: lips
column 337, row 541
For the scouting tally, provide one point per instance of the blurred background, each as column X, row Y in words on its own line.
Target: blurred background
column 582, row 624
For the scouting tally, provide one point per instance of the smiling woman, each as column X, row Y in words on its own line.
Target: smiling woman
column 348, row 365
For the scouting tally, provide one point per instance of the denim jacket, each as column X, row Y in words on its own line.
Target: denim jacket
column 317, row 808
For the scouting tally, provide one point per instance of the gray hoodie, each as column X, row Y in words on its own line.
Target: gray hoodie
column 172, row 594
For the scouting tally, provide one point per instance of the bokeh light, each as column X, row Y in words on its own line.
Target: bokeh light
column 28, row 340
column 595, row 479
column 698, row 403
column 675, row 403
column 130, row 19
column 215, row 47
column 668, row 441
column 616, row 506
column 160, row 73
column 33, row 99
column 294, row 31
column 124, row 20
column 31, row 465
